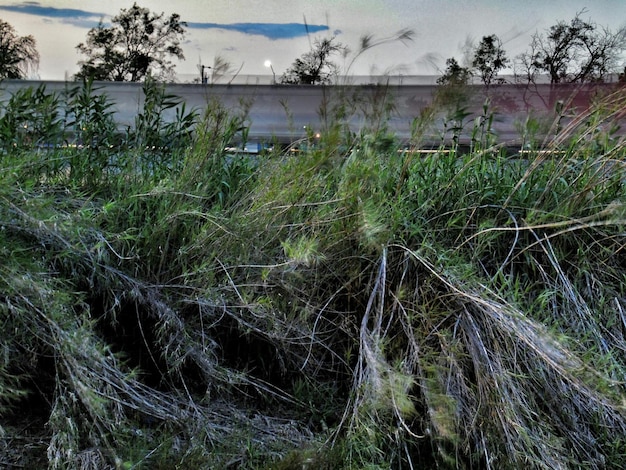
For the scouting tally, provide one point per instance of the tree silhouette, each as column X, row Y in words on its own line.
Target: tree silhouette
column 454, row 74
column 18, row 55
column 489, row 59
column 315, row 67
column 578, row 51
column 138, row 43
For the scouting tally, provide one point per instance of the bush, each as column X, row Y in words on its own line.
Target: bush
column 350, row 306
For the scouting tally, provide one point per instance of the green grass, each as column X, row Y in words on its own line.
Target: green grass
column 350, row 306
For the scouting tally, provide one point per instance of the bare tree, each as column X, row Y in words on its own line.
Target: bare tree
column 18, row 55
column 138, row 43
column 576, row 52
column 316, row 67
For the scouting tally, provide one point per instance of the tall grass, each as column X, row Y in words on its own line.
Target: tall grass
column 354, row 305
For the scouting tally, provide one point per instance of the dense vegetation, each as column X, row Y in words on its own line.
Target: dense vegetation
column 166, row 304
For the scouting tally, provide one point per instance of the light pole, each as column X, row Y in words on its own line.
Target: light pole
column 203, row 78
column 268, row 63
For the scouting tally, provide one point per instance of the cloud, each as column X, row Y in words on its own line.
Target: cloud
column 81, row 18
column 269, row 30
column 90, row 19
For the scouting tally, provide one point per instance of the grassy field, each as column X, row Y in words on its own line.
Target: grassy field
column 354, row 305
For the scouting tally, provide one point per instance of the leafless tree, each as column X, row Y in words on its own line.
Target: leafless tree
column 576, row 52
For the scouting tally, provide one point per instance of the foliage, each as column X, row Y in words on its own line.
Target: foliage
column 83, row 118
column 576, row 52
column 354, row 305
column 31, row 118
column 315, row 67
column 90, row 116
column 489, row 58
column 486, row 60
column 18, row 54
column 453, row 94
column 153, row 127
column 138, row 43
column 454, row 74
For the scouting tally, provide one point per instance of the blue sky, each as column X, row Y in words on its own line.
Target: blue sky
column 247, row 33
column 90, row 19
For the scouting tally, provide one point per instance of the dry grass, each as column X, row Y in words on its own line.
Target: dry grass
column 351, row 306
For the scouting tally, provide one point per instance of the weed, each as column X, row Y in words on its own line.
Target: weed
column 348, row 306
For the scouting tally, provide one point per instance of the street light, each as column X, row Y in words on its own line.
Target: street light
column 268, row 63
column 203, row 78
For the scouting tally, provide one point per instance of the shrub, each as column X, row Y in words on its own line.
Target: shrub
column 348, row 306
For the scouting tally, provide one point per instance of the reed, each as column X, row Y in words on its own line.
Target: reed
column 353, row 305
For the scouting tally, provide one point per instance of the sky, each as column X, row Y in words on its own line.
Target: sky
column 250, row 34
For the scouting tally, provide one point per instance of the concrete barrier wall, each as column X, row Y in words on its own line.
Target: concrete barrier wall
column 282, row 111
